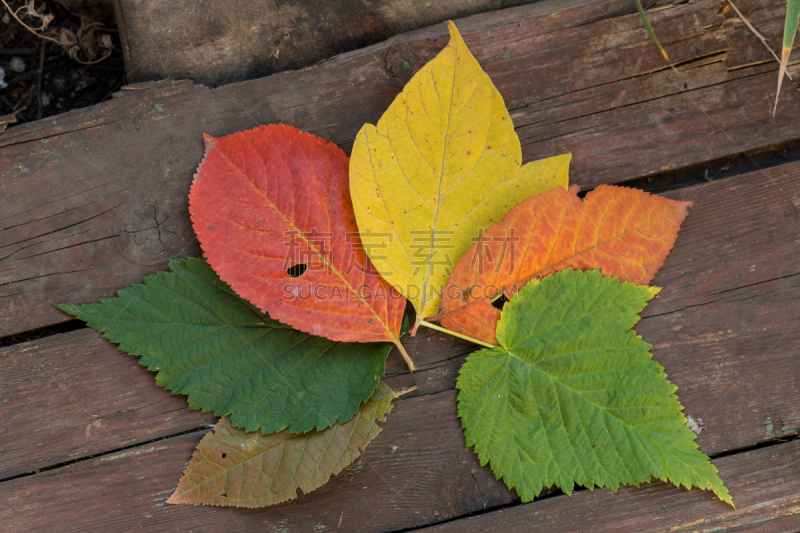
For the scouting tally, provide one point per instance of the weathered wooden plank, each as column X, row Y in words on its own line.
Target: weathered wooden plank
column 416, row 471
column 427, row 478
column 75, row 395
column 5, row 120
column 765, row 485
column 214, row 43
column 100, row 202
column 734, row 362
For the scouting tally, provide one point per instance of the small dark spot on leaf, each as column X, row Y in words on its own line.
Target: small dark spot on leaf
column 297, row 270
column 224, row 455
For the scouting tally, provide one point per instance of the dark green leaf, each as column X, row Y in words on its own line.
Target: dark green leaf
column 229, row 358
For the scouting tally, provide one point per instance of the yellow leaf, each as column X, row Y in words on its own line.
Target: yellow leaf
column 441, row 165
column 545, row 174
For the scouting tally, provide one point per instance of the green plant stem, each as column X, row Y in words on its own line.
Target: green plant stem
column 649, row 29
column 789, row 31
column 454, row 334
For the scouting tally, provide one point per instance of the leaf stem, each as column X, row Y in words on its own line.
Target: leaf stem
column 454, row 334
column 405, row 391
column 406, row 357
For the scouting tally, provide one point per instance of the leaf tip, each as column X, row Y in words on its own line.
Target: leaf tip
column 455, row 35
column 724, row 497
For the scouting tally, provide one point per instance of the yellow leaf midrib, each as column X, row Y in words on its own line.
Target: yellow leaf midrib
column 441, row 179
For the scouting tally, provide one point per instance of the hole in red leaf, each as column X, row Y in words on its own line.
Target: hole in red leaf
column 224, row 455
column 297, row 270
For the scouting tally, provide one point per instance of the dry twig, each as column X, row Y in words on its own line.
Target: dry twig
column 45, row 21
column 85, row 40
column 757, row 34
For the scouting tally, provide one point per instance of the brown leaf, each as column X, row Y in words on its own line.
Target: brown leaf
column 232, row 468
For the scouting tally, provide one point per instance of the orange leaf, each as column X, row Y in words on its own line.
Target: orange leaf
column 624, row 232
column 271, row 207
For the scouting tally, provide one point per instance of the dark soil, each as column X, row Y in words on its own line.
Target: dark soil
column 65, row 83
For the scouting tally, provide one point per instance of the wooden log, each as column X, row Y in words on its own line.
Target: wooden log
column 96, row 199
column 214, row 43
column 725, row 327
column 765, row 485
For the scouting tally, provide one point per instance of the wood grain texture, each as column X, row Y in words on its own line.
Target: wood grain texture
column 96, row 199
column 5, row 120
column 416, row 471
column 726, row 327
column 214, row 43
column 765, row 485
column 75, row 395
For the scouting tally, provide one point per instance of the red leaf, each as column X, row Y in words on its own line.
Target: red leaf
column 274, row 202
column 625, row 232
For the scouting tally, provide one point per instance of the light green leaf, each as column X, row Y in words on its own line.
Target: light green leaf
column 207, row 343
column 234, row 468
column 572, row 396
